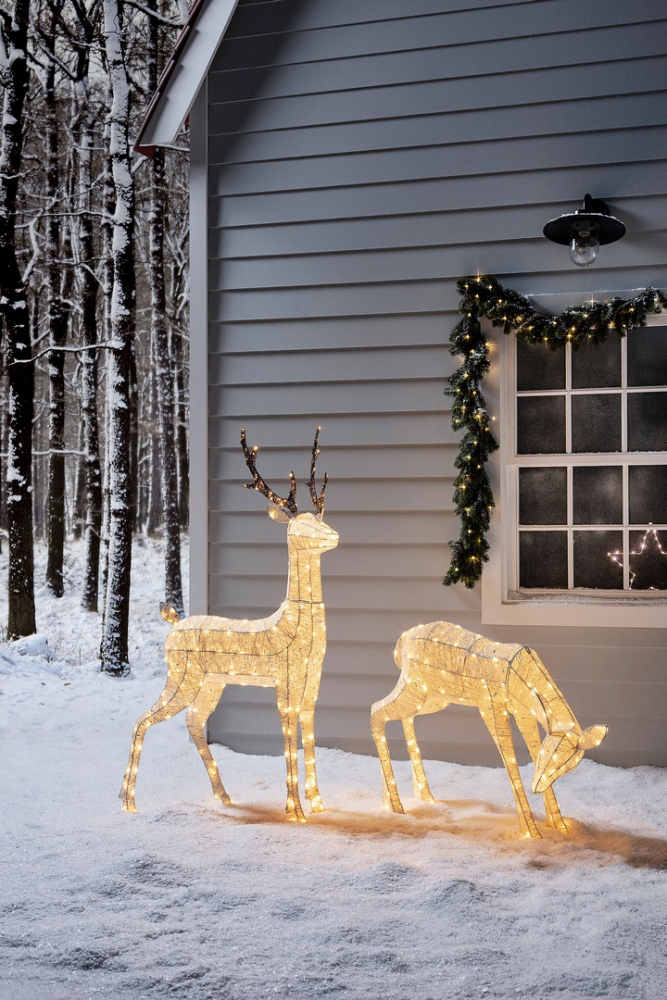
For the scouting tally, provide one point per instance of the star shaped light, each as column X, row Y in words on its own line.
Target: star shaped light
column 648, row 564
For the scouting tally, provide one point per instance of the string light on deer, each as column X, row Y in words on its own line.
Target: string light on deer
column 484, row 296
column 205, row 653
column 443, row 664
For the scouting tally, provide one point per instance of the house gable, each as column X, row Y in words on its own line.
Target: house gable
column 184, row 73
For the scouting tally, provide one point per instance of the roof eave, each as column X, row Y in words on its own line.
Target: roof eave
column 184, row 74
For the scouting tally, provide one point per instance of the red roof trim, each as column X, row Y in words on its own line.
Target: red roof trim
column 167, row 73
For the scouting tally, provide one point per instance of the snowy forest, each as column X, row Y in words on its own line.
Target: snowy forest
column 93, row 305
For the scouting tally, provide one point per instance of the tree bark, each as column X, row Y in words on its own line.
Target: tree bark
column 58, row 280
column 13, row 303
column 163, row 367
column 88, row 292
column 165, row 392
column 114, row 648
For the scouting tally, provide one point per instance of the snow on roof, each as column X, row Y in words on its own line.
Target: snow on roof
column 184, row 73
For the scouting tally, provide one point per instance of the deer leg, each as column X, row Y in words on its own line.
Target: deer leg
column 289, row 720
column 496, row 719
column 420, row 783
column 381, row 713
column 528, row 728
column 198, row 712
column 178, row 692
column 306, row 721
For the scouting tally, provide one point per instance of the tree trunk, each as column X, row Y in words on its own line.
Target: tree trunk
column 155, row 485
column 114, row 649
column 164, row 377
column 165, row 391
column 58, row 280
column 13, row 302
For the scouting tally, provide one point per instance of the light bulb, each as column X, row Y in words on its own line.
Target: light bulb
column 584, row 248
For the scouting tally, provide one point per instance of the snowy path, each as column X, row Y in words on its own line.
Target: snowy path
column 194, row 901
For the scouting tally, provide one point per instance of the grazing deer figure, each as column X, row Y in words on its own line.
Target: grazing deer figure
column 284, row 651
column 443, row 664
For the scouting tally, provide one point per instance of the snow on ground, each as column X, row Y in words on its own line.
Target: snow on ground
column 195, row 901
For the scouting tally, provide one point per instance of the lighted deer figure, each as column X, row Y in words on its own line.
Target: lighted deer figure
column 285, row 651
column 443, row 664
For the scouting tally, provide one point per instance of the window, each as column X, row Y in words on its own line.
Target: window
column 583, row 483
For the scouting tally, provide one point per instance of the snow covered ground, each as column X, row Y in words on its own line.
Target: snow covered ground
column 195, row 901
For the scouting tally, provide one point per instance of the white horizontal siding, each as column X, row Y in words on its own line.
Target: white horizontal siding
column 362, row 156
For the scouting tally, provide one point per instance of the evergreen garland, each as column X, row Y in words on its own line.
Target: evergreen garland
column 484, row 297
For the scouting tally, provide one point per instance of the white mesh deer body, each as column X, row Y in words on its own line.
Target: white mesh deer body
column 443, row 664
column 206, row 653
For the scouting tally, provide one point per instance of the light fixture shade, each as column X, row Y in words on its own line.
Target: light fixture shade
column 593, row 218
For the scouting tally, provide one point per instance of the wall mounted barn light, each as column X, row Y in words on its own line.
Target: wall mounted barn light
column 585, row 230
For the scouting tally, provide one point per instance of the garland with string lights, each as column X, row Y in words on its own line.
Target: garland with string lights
column 484, row 297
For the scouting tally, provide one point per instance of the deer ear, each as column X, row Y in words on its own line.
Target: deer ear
column 592, row 737
column 278, row 513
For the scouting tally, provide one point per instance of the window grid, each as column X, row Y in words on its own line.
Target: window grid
column 570, row 459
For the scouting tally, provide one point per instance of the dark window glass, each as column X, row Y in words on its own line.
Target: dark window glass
column 596, row 423
column 595, row 366
column 598, row 495
column 540, row 425
column 647, row 421
column 538, row 367
column 648, row 560
column 595, row 559
column 543, row 559
column 542, row 496
column 647, row 356
column 647, row 488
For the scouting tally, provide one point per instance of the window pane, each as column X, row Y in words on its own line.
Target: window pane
column 598, row 495
column 538, row 367
column 540, row 425
column 647, row 486
column 596, row 423
column 595, row 559
column 648, row 560
column 542, row 496
column 647, row 356
column 597, row 365
column 543, row 559
column 647, row 421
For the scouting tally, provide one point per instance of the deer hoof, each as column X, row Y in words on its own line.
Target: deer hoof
column 316, row 804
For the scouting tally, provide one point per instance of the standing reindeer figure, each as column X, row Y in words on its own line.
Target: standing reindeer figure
column 284, row 651
column 443, row 664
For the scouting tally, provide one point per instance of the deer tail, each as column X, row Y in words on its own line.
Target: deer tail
column 168, row 613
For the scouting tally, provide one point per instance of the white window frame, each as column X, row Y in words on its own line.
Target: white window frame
column 501, row 605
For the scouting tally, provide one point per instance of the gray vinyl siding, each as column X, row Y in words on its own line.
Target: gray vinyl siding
column 361, row 159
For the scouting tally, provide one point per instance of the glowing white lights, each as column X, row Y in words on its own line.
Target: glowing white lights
column 442, row 663
column 204, row 654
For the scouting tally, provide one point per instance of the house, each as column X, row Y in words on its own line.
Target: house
column 350, row 160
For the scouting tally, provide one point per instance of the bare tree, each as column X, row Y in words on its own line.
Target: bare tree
column 163, row 367
column 14, row 74
column 114, row 652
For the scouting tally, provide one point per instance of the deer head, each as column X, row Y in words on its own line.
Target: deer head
column 307, row 530
column 561, row 752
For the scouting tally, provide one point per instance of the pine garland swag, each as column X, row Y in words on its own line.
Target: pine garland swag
column 484, row 297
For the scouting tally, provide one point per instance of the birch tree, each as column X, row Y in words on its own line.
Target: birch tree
column 114, row 651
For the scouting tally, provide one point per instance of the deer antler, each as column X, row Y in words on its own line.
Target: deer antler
column 318, row 501
column 258, row 483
